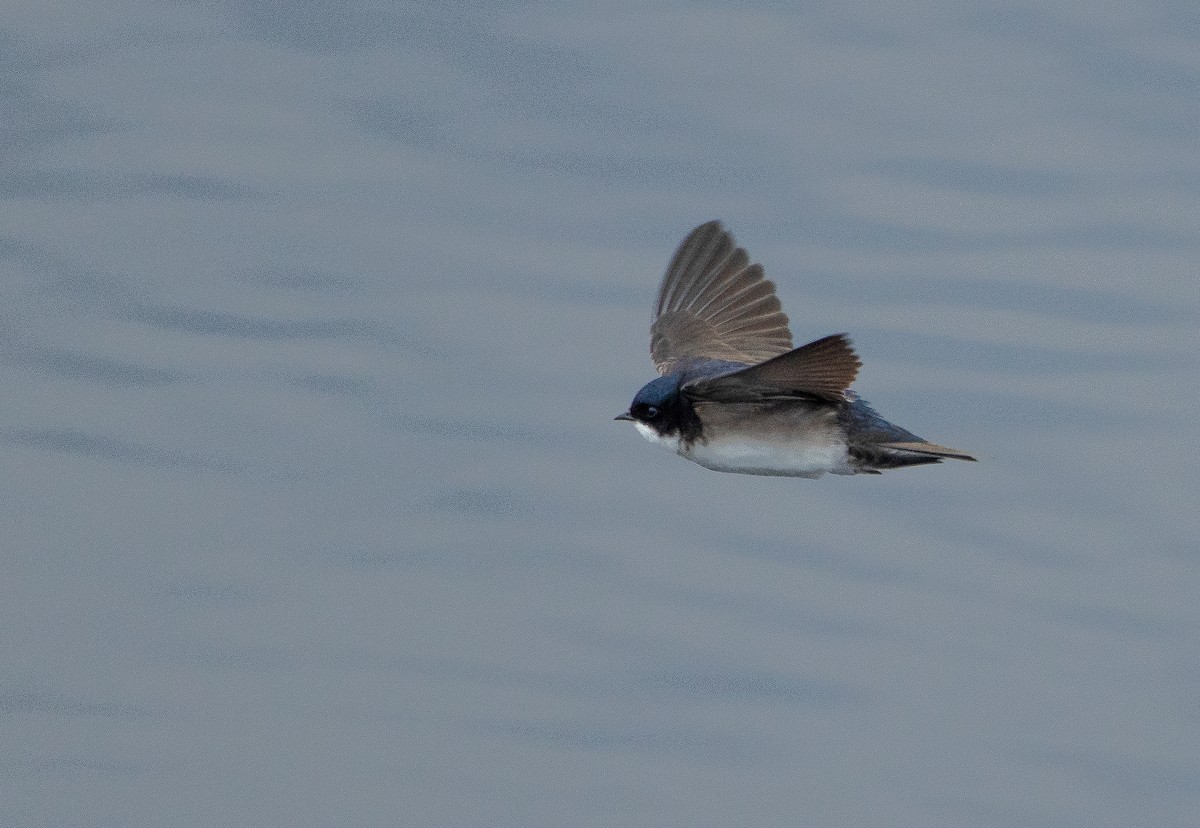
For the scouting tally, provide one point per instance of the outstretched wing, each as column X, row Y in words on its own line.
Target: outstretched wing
column 714, row 304
column 823, row 369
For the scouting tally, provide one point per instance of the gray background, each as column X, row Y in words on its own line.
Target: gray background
column 313, row 320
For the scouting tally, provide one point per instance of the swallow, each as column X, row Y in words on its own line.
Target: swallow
column 733, row 394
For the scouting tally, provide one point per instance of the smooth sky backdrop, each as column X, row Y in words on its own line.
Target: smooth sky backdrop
column 314, row 317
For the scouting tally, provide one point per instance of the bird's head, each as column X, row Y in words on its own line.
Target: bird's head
column 657, row 406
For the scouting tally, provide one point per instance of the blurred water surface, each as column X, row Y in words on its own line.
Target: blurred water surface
column 314, row 319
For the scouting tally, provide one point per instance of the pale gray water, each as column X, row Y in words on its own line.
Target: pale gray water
column 314, row 320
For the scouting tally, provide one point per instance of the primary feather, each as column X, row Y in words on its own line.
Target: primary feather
column 714, row 304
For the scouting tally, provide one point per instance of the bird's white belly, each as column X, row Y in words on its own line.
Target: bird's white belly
column 791, row 458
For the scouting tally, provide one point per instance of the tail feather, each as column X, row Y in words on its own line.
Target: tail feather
column 929, row 450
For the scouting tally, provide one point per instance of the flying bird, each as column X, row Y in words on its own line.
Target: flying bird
column 735, row 396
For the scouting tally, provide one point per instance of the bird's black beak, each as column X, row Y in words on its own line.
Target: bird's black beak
column 624, row 416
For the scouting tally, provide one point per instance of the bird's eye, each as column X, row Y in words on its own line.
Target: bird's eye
column 651, row 412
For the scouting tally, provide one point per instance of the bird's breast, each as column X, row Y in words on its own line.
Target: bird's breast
column 792, row 439
column 792, row 454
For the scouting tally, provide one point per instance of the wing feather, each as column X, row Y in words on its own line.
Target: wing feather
column 715, row 304
column 823, row 369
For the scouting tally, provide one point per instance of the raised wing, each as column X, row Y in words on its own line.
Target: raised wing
column 714, row 304
column 823, row 369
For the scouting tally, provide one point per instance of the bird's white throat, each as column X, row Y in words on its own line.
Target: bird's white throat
column 669, row 443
